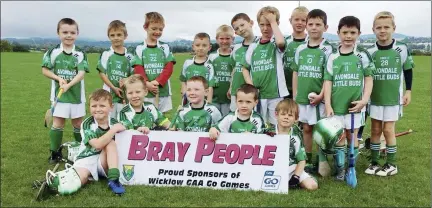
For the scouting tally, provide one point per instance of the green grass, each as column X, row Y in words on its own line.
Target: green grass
column 25, row 148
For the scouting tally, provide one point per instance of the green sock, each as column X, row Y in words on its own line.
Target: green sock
column 309, row 157
column 113, row 174
column 375, row 150
column 391, row 154
column 56, row 136
column 339, row 157
column 77, row 134
column 321, row 156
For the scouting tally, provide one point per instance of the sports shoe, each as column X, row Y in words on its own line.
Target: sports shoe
column 116, row 187
column 340, row 176
column 54, row 158
column 387, row 170
column 372, row 169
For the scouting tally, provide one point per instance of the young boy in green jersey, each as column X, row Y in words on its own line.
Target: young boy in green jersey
column 98, row 151
column 223, row 67
column 244, row 118
column 287, row 115
column 308, row 71
column 393, row 61
column 199, row 65
column 65, row 65
column 115, row 64
column 155, row 61
column 242, row 26
column 137, row 114
column 263, row 64
column 198, row 115
column 298, row 37
column 348, row 85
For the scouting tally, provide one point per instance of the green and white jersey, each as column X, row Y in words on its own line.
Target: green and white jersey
column 390, row 61
column 237, row 55
column 297, row 152
column 223, row 66
column 310, row 63
column 149, row 117
column 231, row 123
column 116, row 66
column 290, row 49
column 66, row 66
column 347, row 73
column 154, row 59
column 197, row 119
column 265, row 63
column 191, row 68
column 90, row 130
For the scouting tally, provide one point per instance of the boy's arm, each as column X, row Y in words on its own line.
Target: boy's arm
column 247, row 76
column 167, row 71
column 328, row 82
column 294, row 67
column 408, row 75
column 76, row 79
column 210, row 95
column 279, row 38
column 48, row 73
column 105, row 139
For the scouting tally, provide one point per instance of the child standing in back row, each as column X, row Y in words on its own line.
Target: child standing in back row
column 115, row 65
column 263, row 64
column 348, row 85
column 223, row 66
column 155, row 62
column 309, row 66
column 393, row 61
column 66, row 65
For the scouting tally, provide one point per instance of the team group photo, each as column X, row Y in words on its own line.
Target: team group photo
column 221, row 104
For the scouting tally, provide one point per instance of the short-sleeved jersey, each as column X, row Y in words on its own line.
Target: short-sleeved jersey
column 231, row 123
column 347, row 73
column 116, row 66
column 223, row 66
column 153, row 59
column 149, row 117
column 309, row 63
column 237, row 55
column 297, row 152
column 66, row 66
column 191, row 68
column 90, row 130
column 390, row 61
column 197, row 119
column 290, row 49
column 265, row 64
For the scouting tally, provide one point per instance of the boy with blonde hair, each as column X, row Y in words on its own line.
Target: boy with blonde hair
column 65, row 65
column 347, row 86
column 223, row 67
column 199, row 65
column 114, row 64
column 242, row 26
column 198, row 115
column 263, row 64
column 308, row 71
column 137, row 114
column 155, row 61
column 394, row 63
column 287, row 115
column 298, row 37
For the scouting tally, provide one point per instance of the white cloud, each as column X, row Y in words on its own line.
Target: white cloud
column 184, row 19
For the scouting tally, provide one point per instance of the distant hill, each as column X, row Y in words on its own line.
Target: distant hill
column 38, row 41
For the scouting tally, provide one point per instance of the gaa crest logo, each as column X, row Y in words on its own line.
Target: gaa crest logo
column 128, row 171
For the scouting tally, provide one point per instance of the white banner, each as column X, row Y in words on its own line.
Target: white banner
column 235, row 161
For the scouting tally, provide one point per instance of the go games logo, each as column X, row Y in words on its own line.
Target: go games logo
column 270, row 181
